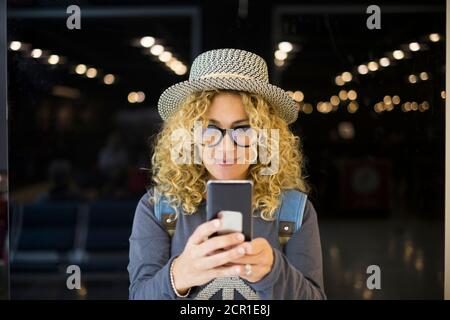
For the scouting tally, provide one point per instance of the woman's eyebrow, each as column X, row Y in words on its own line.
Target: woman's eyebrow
column 234, row 122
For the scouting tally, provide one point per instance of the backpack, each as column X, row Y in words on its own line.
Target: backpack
column 289, row 214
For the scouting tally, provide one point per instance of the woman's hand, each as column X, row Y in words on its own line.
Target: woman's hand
column 200, row 263
column 259, row 255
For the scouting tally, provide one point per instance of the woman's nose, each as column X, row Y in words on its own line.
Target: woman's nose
column 226, row 145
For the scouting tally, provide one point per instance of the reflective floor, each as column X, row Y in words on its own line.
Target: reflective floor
column 410, row 257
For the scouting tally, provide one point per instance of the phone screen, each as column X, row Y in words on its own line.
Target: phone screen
column 233, row 198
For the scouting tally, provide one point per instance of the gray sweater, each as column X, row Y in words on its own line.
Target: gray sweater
column 296, row 272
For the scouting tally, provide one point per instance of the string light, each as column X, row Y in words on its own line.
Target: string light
column 307, row 108
column 171, row 62
column 434, row 37
column 398, row 54
column 339, row 81
column 352, row 95
column 334, row 100
column 15, row 45
column 285, row 46
column 343, row 95
column 373, row 66
column 324, row 107
column 347, row 76
column 80, row 69
column 362, row 69
column 423, row 76
column 385, row 62
column 36, row 53
column 412, row 78
column 53, row 59
column 346, row 130
column 159, row 51
column 109, row 79
column 156, row 50
column 282, row 52
column 424, row 106
column 378, row 107
column 352, row 107
column 180, row 69
column 414, row 46
column 396, row 100
column 280, row 55
column 298, row 96
column 320, row 107
column 136, row 97
column 91, row 73
column 279, row 63
column 165, row 56
column 406, row 107
column 388, row 106
column 132, row 97
column 140, row 96
column 147, row 42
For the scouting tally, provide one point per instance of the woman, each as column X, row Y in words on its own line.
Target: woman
column 227, row 89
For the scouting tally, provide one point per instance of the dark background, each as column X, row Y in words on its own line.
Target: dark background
column 377, row 178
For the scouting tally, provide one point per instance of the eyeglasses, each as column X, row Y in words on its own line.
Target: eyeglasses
column 242, row 136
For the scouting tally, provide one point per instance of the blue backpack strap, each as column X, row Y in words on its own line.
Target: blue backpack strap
column 164, row 212
column 290, row 214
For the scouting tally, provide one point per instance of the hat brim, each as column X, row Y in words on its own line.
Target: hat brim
column 172, row 98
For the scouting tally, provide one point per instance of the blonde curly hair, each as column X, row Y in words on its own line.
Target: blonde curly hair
column 184, row 185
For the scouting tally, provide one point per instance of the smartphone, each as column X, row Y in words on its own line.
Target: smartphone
column 234, row 199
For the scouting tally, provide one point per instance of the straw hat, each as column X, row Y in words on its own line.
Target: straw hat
column 231, row 69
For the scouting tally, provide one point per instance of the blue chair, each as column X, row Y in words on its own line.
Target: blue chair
column 107, row 241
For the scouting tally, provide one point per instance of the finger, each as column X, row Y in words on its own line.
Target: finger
column 220, row 259
column 257, row 273
column 228, row 264
column 230, row 247
column 203, row 231
column 221, row 250
column 256, row 246
column 215, row 252
column 220, row 242
column 228, row 271
column 251, row 259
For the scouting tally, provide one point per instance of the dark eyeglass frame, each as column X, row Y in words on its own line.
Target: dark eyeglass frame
column 230, row 133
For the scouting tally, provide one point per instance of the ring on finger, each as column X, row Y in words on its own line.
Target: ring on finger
column 248, row 269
